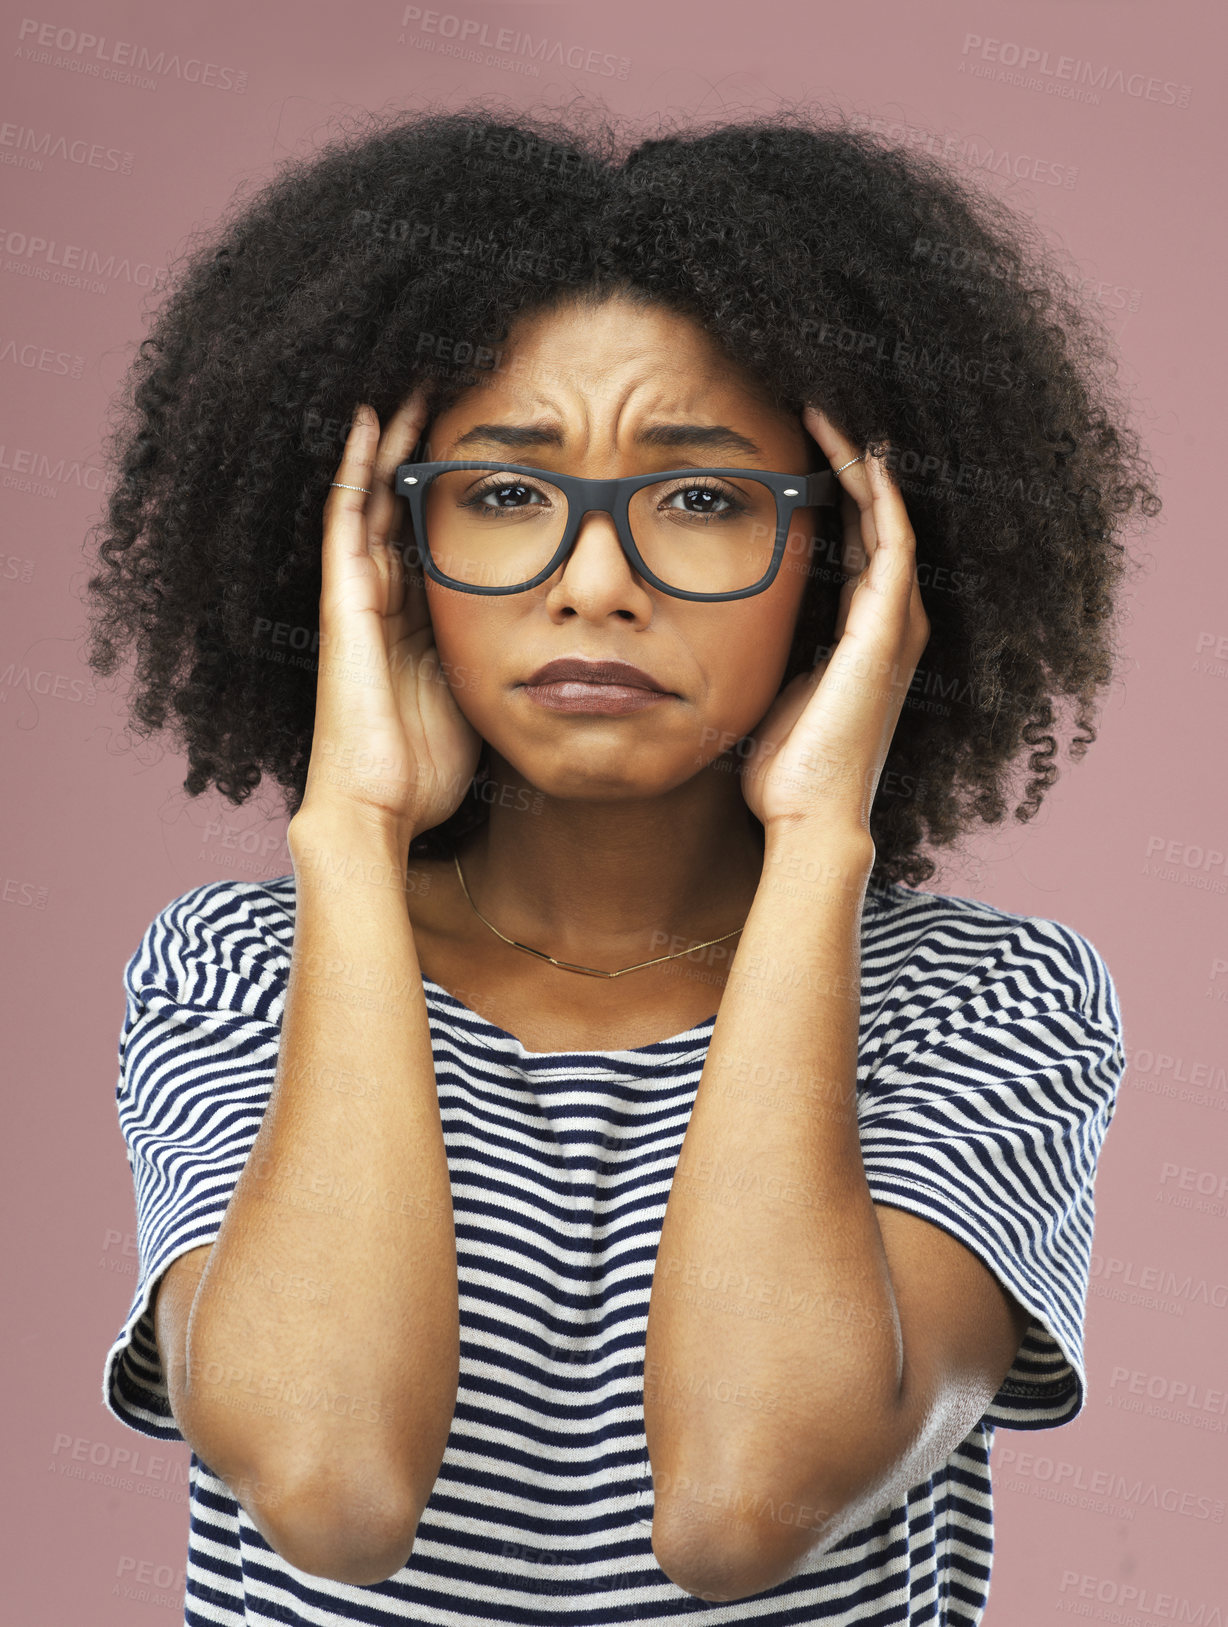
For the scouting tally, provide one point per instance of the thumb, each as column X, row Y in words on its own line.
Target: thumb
column 778, row 722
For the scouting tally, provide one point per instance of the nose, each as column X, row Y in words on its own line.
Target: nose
column 597, row 579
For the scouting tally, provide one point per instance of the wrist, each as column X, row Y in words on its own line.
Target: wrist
column 315, row 834
column 816, row 865
column 845, row 842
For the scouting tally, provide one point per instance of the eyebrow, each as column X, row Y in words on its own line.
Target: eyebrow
column 711, row 437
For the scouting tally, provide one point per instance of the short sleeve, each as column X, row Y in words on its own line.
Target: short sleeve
column 197, row 1055
column 986, row 1116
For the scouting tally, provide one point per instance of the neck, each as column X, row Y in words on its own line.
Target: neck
column 597, row 882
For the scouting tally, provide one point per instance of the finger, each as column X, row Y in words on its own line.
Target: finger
column 387, row 512
column 345, row 525
column 882, row 514
column 887, row 628
column 868, row 483
column 853, row 557
column 894, row 568
column 385, row 509
column 843, row 456
column 856, row 504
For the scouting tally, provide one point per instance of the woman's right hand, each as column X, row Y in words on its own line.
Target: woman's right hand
column 390, row 743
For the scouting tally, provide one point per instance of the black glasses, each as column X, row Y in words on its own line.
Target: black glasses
column 487, row 527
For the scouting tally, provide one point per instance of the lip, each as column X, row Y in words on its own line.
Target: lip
column 616, row 674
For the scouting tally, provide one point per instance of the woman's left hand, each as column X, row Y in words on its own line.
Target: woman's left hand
column 819, row 750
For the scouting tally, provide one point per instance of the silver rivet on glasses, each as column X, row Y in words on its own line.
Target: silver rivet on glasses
column 411, row 480
column 790, row 491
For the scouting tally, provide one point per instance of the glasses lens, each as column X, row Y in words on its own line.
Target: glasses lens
column 703, row 533
column 490, row 528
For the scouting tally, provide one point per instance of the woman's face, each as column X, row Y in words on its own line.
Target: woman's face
column 591, row 381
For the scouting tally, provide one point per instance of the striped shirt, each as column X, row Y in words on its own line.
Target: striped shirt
column 990, row 1053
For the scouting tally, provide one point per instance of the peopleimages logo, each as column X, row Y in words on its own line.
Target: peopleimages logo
column 1108, row 1270
column 1067, row 76
column 470, row 37
column 1108, row 1483
column 1142, row 1602
column 31, row 147
column 125, row 61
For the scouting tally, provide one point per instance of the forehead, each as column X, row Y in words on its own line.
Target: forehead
column 610, row 363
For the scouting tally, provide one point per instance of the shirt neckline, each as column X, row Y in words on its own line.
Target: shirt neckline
column 875, row 900
column 484, row 1023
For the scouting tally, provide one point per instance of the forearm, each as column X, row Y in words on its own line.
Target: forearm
column 773, row 1349
column 350, row 1377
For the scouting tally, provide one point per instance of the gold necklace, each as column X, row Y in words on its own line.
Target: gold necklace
column 569, row 966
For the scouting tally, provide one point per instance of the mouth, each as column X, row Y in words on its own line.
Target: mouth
column 572, row 669
column 608, row 687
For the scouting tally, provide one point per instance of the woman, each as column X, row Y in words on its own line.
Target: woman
column 595, row 1185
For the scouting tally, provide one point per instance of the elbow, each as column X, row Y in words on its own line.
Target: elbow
column 343, row 1529
column 748, row 1541
column 737, row 1531
column 721, row 1567
column 724, row 1560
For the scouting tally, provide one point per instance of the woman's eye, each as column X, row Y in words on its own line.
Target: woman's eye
column 700, row 500
column 502, row 493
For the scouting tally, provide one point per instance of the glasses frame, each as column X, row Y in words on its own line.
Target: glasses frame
column 819, row 489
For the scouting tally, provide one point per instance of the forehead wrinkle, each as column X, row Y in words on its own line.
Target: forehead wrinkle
column 595, row 396
column 664, row 403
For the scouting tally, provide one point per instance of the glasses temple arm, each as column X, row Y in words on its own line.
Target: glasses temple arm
column 823, row 490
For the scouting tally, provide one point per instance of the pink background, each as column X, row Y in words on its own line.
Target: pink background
column 98, row 835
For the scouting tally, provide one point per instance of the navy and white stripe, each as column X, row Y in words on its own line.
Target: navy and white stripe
column 989, row 1059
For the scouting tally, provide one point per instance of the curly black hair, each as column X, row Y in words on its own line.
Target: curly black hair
column 906, row 301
